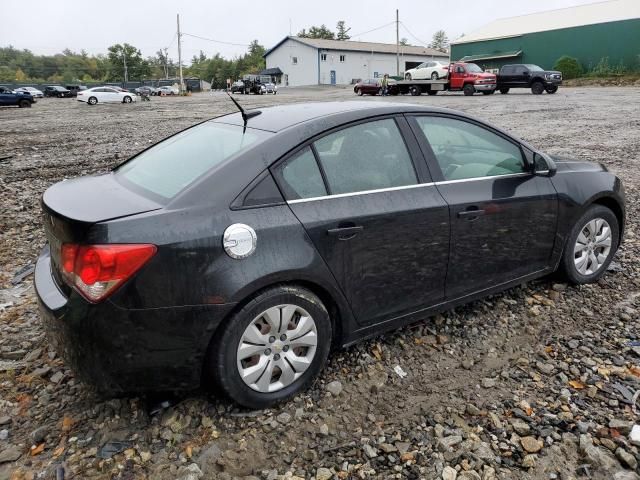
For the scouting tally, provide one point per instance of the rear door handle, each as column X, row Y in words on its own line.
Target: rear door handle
column 470, row 213
column 345, row 233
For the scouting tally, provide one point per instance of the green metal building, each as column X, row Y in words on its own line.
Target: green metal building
column 590, row 33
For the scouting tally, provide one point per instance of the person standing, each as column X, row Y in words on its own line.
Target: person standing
column 385, row 84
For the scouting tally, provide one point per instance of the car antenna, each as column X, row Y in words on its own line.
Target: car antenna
column 245, row 115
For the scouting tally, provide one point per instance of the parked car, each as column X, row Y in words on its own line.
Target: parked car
column 433, row 70
column 270, row 87
column 10, row 97
column 57, row 91
column 168, row 90
column 370, row 86
column 237, row 87
column 242, row 256
column 95, row 95
column 35, row 93
column 74, row 89
column 147, row 90
column 528, row 76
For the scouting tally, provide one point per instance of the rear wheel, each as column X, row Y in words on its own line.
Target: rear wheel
column 504, row 91
column 271, row 348
column 127, row 99
column 469, row 89
column 488, row 92
column 92, row 100
column 407, row 76
column 414, row 91
column 591, row 245
column 432, row 92
column 434, row 76
column 537, row 88
column 24, row 104
column 552, row 89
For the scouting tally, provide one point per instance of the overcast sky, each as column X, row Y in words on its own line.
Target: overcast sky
column 150, row 25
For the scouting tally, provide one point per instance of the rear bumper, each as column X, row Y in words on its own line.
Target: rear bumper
column 124, row 351
column 484, row 87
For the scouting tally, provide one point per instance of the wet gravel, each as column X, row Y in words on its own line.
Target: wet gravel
column 535, row 383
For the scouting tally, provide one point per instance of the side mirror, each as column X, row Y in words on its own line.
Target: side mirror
column 543, row 165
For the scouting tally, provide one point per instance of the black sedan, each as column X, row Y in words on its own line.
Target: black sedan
column 235, row 257
column 57, row 91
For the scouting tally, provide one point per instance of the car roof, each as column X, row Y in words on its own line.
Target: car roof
column 281, row 117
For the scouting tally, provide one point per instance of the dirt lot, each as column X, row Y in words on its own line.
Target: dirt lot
column 534, row 383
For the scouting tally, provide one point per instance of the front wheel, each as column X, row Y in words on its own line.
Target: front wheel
column 92, row 100
column 359, row 92
column 488, row 92
column 537, row 88
column 407, row 76
column 504, row 91
column 432, row 92
column 24, row 104
column 434, row 76
column 272, row 348
column 591, row 245
column 469, row 89
column 126, row 99
column 553, row 89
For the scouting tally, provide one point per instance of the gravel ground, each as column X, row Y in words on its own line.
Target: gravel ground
column 535, row 383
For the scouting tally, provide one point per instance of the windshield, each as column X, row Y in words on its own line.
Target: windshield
column 534, row 68
column 173, row 164
column 473, row 68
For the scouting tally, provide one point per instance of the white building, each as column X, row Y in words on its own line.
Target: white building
column 314, row 61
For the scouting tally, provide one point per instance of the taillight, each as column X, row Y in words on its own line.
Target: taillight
column 96, row 271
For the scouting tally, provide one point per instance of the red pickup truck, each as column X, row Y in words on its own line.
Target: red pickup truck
column 466, row 77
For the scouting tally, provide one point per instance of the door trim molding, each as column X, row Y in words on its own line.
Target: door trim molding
column 363, row 192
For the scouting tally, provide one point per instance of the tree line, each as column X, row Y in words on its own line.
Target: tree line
column 120, row 60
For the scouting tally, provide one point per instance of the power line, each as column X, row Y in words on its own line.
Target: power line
column 373, row 29
column 424, row 44
column 216, row 41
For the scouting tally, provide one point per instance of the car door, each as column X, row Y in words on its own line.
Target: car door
column 6, row 97
column 373, row 215
column 521, row 76
column 110, row 95
column 503, row 218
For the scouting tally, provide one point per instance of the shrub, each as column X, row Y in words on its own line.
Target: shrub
column 569, row 66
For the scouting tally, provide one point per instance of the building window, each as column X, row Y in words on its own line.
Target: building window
column 342, row 58
column 294, row 60
column 323, row 57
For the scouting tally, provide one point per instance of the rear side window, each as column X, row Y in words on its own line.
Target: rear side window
column 465, row 150
column 300, row 176
column 175, row 163
column 368, row 156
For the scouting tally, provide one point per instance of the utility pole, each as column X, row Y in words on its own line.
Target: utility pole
column 126, row 73
column 397, row 43
column 180, row 54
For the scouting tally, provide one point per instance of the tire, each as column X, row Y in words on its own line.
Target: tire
column 359, row 92
column 504, row 91
column 579, row 235
column 407, row 76
column 537, row 88
column 92, row 100
column 414, row 91
column 224, row 364
column 434, row 76
column 126, row 99
column 469, row 89
column 488, row 92
column 553, row 89
column 432, row 92
column 24, row 103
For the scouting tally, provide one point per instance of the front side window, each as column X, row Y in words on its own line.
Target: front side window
column 367, row 156
column 300, row 176
column 173, row 164
column 465, row 150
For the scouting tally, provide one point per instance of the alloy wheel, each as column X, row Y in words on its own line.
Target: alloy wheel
column 592, row 247
column 276, row 348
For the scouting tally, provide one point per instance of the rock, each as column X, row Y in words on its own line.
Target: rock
column 467, row 363
column 4, row 434
column 623, row 426
column 370, row 451
column 546, row 368
column 599, row 457
column 324, row 429
column 284, row 418
column 559, row 287
column 39, row 434
column 473, row 410
column 529, row 461
column 449, row 473
column 335, row 388
column 484, row 452
column 626, row 458
column 387, row 448
column 531, row 444
column 469, row 475
column 489, row 382
column 5, row 421
column 634, row 435
column 57, row 377
column 521, row 427
column 10, row 454
column 625, row 475
column 323, row 474
column 451, row 441
column 190, row 472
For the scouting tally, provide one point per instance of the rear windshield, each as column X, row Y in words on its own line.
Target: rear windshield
column 172, row 165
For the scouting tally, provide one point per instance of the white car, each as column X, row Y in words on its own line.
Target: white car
column 105, row 95
column 168, row 90
column 35, row 93
column 431, row 70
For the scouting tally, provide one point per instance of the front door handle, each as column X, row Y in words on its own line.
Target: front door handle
column 470, row 213
column 345, row 233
